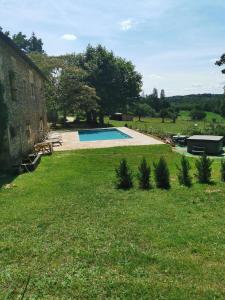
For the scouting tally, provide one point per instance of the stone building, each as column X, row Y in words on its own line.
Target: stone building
column 23, row 85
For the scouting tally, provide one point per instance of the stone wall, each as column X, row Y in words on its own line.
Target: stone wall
column 24, row 96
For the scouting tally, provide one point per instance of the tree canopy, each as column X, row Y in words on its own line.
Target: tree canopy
column 221, row 62
column 116, row 81
column 26, row 44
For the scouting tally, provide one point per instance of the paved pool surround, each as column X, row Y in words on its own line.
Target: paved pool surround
column 71, row 140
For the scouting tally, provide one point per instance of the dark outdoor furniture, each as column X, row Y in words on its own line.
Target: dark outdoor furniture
column 208, row 144
column 181, row 140
column 121, row 117
column 30, row 163
column 198, row 150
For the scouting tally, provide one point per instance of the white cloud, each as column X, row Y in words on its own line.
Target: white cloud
column 155, row 76
column 126, row 24
column 197, row 85
column 69, row 37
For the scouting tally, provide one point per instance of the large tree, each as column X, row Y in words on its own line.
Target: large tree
column 154, row 100
column 21, row 41
column 35, row 44
column 74, row 95
column 142, row 110
column 67, row 91
column 116, row 81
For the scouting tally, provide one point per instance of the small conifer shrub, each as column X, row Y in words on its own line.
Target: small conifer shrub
column 222, row 170
column 204, row 169
column 124, row 176
column 184, row 172
column 144, row 173
column 162, row 174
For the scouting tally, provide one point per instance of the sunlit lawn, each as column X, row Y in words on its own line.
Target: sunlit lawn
column 77, row 237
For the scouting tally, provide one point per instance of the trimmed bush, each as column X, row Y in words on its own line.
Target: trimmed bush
column 222, row 170
column 204, row 170
column 124, row 176
column 162, row 175
column 184, row 172
column 197, row 114
column 144, row 175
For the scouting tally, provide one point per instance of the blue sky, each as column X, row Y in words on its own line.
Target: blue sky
column 173, row 43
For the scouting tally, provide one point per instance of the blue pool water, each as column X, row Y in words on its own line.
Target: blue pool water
column 102, row 134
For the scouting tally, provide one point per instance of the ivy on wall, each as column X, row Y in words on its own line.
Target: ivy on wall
column 3, row 115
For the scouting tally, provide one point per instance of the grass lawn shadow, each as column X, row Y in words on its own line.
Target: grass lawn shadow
column 6, row 179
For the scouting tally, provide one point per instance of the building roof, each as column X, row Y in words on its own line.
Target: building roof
column 213, row 138
column 11, row 44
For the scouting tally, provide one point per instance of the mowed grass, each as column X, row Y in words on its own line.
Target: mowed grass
column 183, row 124
column 77, row 237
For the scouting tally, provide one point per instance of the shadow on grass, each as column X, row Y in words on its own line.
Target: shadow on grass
column 6, row 179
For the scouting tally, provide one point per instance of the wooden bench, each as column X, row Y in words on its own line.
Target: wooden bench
column 44, row 148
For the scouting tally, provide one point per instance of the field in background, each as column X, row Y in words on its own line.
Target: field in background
column 77, row 237
column 183, row 125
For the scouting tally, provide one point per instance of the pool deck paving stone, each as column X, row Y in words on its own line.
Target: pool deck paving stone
column 71, row 140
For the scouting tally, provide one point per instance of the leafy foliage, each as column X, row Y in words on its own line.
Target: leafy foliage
column 95, row 82
column 26, row 44
column 222, row 170
column 184, row 172
column 124, row 176
column 144, row 175
column 204, row 170
column 162, row 175
column 221, row 62
column 143, row 110
column 164, row 113
column 222, row 108
column 116, row 81
column 202, row 102
column 67, row 90
column 73, row 94
column 197, row 114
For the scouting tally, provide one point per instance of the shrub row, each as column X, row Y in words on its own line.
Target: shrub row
column 124, row 175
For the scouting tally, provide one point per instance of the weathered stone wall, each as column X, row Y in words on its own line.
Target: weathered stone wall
column 24, row 96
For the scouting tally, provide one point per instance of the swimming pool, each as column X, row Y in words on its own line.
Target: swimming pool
column 102, row 135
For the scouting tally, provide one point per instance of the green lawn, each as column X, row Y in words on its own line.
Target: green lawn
column 77, row 237
column 183, row 125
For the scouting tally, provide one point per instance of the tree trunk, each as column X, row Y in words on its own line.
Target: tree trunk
column 163, row 120
column 64, row 115
column 101, row 119
column 94, row 118
column 89, row 117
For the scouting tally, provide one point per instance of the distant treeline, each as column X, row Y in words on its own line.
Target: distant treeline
column 205, row 102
